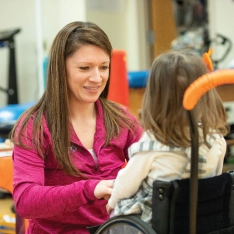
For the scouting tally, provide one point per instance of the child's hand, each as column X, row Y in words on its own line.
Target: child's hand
column 103, row 189
column 109, row 209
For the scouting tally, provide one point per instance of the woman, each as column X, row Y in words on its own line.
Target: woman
column 70, row 146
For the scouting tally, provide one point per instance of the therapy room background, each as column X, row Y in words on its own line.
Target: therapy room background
column 140, row 29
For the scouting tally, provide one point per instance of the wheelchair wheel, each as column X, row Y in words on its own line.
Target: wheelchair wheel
column 129, row 224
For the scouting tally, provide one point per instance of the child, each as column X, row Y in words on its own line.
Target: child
column 163, row 152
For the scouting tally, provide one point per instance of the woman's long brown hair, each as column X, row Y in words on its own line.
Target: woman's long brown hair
column 54, row 103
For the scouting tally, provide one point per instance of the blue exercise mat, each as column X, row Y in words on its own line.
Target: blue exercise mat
column 138, row 79
column 12, row 112
column 9, row 115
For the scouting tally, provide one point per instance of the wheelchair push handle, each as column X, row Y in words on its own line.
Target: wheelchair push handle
column 191, row 96
column 204, row 83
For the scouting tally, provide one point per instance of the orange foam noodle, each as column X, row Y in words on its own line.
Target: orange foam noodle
column 204, row 83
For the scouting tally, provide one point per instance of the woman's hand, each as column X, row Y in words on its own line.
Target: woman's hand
column 104, row 189
column 108, row 209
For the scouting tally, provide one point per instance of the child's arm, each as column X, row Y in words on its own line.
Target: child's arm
column 130, row 178
column 220, row 149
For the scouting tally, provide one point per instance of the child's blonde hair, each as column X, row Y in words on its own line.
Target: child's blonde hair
column 162, row 111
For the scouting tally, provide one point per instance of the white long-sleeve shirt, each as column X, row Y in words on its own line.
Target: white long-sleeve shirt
column 150, row 161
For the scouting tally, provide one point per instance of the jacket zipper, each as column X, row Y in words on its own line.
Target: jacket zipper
column 95, row 159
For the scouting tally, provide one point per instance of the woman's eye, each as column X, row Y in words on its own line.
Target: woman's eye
column 104, row 67
column 84, row 68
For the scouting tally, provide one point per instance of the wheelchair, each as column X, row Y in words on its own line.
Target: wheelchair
column 188, row 206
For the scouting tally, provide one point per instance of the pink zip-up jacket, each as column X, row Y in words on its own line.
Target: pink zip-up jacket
column 55, row 202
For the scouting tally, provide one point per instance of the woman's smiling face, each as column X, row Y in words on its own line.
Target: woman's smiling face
column 87, row 73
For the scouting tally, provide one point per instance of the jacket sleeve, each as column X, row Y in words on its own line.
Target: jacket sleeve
column 35, row 200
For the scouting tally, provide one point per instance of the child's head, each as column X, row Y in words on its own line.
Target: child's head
column 162, row 110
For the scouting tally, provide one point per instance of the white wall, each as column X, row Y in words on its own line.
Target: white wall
column 126, row 24
column 221, row 18
column 12, row 17
column 56, row 14
column 23, row 14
